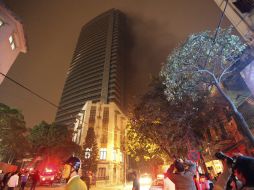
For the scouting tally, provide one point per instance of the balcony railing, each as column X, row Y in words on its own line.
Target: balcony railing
column 102, row 178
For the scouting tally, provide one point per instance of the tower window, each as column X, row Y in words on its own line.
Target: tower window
column 12, row 43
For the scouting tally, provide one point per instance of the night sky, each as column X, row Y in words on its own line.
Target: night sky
column 52, row 28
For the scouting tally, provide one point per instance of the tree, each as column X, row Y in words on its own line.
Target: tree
column 90, row 152
column 52, row 140
column 203, row 62
column 164, row 122
column 139, row 146
column 143, row 150
column 13, row 143
column 168, row 125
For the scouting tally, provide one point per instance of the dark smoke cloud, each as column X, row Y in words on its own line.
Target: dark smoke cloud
column 150, row 48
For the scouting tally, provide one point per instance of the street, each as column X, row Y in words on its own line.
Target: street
column 61, row 187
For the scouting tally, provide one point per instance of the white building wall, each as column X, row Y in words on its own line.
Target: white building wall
column 11, row 26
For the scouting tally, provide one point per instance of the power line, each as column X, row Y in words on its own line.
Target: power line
column 217, row 31
column 221, row 18
column 29, row 90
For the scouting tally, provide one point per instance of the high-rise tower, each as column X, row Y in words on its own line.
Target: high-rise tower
column 96, row 70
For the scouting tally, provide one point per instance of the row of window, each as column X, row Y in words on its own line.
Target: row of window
column 79, row 100
column 73, row 108
column 81, row 87
column 79, row 95
column 103, row 154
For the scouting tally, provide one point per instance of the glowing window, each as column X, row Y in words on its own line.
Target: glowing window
column 102, row 172
column 103, row 154
column 121, row 157
column 114, row 155
column 12, row 43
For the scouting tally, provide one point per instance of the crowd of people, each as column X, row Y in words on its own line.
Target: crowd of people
column 10, row 180
column 238, row 174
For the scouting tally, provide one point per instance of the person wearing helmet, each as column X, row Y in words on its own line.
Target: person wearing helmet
column 70, row 172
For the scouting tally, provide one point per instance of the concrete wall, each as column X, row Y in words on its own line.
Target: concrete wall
column 11, row 26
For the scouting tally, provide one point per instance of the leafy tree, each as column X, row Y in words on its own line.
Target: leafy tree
column 143, row 150
column 203, row 62
column 140, row 147
column 168, row 125
column 90, row 152
column 159, row 120
column 52, row 140
column 13, row 143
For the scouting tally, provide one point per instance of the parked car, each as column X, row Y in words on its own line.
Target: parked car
column 157, row 184
column 162, row 184
column 145, row 179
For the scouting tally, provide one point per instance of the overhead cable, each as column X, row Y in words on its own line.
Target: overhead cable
column 30, row 91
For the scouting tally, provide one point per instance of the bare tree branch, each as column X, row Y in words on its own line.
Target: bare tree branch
column 206, row 71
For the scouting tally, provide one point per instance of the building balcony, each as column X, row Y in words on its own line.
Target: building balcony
column 100, row 178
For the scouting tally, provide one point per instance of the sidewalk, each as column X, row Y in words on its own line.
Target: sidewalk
column 115, row 187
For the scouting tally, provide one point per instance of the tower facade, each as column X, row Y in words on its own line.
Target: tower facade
column 96, row 70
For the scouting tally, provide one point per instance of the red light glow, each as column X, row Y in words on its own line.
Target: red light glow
column 48, row 170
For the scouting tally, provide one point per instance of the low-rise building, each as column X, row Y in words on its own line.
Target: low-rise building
column 109, row 124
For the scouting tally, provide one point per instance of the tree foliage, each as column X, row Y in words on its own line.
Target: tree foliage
column 52, row 140
column 90, row 152
column 13, row 143
column 202, row 62
column 171, row 127
column 160, row 121
column 142, row 148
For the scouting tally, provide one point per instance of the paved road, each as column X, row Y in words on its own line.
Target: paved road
column 61, row 187
column 115, row 187
column 54, row 187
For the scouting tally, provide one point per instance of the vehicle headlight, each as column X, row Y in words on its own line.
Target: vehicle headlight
column 145, row 180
